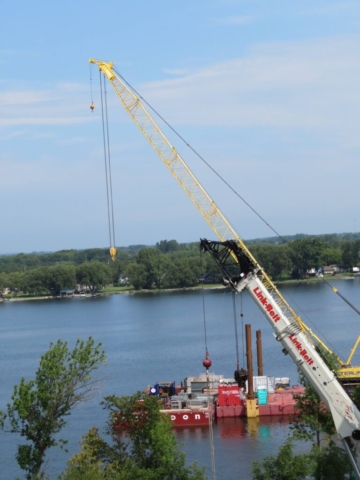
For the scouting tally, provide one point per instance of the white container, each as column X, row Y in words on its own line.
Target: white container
column 267, row 383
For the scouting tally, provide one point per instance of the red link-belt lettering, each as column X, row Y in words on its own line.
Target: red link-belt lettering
column 268, row 307
column 302, row 350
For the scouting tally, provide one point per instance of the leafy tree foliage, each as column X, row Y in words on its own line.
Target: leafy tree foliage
column 330, row 462
column 314, row 419
column 143, row 445
column 355, row 395
column 40, row 407
column 44, row 280
column 351, row 253
column 284, row 466
column 323, row 463
column 275, row 259
column 166, row 246
column 152, row 261
column 305, row 254
column 137, row 275
column 170, row 264
column 93, row 274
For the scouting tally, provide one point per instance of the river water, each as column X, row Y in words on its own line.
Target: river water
column 160, row 337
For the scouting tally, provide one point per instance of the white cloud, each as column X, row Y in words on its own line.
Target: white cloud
column 60, row 104
column 11, row 135
column 6, row 122
column 309, row 84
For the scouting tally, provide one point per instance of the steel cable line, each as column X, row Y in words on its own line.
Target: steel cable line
column 106, row 146
column 109, row 167
column 211, row 432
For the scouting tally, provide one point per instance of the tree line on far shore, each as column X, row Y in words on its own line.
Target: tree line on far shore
column 168, row 265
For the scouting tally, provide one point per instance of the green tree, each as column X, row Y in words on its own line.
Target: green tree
column 151, row 259
column 355, row 395
column 59, row 277
column 185, row 273
column 306, row 253
column 314, row 419
column 274, row 258
column 35, row 281
column 351, row 254
column 40, row 407
column 284, row 466
column 330, row 256
column 93, row 274
column 143, row 445
column 330, row 462
column 14, row 280
column 137, row 275
column 166, row 246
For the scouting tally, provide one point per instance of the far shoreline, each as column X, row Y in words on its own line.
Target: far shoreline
column 167, row 290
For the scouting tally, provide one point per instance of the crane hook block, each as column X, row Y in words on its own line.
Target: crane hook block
column 92, row 106
column 113, row 253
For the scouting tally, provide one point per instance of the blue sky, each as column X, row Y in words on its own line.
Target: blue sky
column 267, row 92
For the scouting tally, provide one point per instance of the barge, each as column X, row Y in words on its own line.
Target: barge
column 200, row 399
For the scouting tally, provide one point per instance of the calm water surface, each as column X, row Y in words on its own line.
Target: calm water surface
column 160, row 337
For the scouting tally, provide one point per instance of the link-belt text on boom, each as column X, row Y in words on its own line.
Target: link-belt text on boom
column 268, row 307
column 275, row 317
column 302, row 351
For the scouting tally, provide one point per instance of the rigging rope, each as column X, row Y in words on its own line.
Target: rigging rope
column 91, row 89
column 109, row 168
column 236, row 333
column 242, row 326
column 231, row 188
column 203, row 304
column 106, row 145
column 209, row 403
column 211, row 431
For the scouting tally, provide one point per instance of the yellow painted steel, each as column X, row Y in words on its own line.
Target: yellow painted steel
column 192, row 187
column 346, row 371
column 113, row 253
column 353, row 350
column 252, row 408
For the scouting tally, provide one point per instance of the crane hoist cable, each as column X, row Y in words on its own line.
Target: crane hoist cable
column 242, row 326
column 107, row 162
column 207, row 365
column 203, row 306
column 91, row 89
column 236, row 332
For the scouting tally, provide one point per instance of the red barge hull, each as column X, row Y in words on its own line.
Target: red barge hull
column 186, row 417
